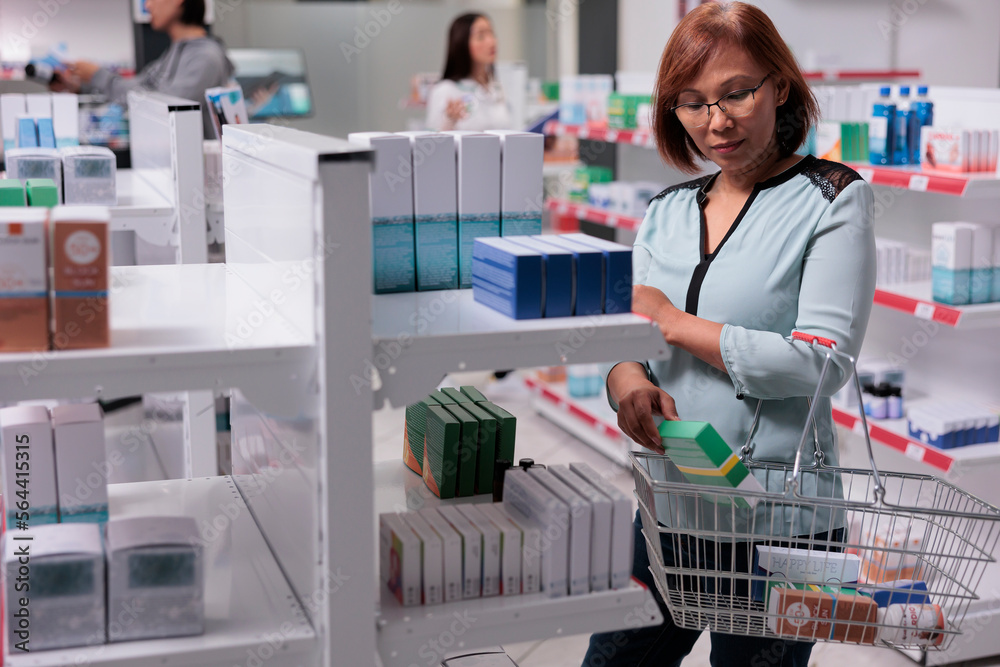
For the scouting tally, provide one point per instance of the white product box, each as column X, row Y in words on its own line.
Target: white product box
column 491, row 548
column 510, row 549
column 399, row 551
column 28, row 466
column 12, row 106
column 995, row 289
column 478, row 194
column 520, row 182
column 451, row 544
column 391, row 192
column 531, row 550
column 62, row 605
column 431, row 559
column 981, row 268
column 951, row 257
column 435, row 209
column 89, row 175
column 579, row 529
column 25, row 163
column 66, row 119
column 38, row 105
column 944, row 149
column 526, row 497
column 803, row 565
column 156, row 565
column 621, row 524
column 601, row 510
column 472, row 551
column 78, row 433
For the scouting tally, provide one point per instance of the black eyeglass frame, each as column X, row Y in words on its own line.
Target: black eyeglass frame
column 717, row 103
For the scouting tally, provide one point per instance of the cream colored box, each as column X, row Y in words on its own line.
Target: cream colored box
column 621, row 526
column 521, row 155
column 531, row 550
column 526, row 498
column 78, row 433
column 472, row 551
column 29, row 469
column 491, row 548
column 451, row 543
column 510, row 549
column 399, row 559
column 600, row 529
column 579, row 529
column 431, row 559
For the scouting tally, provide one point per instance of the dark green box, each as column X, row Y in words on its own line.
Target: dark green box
column 456, row 395
column 11, row 192
column 474, row 394
column 487, row 447
column 41, row 192
column 441, row 451
column 467, row 450
column 506, row 431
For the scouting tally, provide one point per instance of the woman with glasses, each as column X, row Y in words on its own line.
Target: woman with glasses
column 729, row 265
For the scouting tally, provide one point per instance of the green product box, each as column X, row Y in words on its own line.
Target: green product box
column 704, row 458
column 863, row 152
column 41, row 192
column 468, row 447
column 550, row 90
column 456, row 395
column 617, row 112
column 11, row 192
column 414, row 431
column 506, row 430
column 443, row 398
column 474, row 394
column 486, row 457
column 440, row 469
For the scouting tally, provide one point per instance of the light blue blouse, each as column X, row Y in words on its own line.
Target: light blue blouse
column 799, row 257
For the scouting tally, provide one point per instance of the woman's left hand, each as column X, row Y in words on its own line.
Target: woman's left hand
column 654, row 304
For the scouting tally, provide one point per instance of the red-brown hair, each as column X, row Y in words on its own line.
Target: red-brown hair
column 703, row 30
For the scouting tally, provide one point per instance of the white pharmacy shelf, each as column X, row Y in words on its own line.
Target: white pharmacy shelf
column 955, row 184
column 591, row 420
column 425, row 635
column 915, row 298
column 174, row 328
column 419, row 337
column 142, row 209
column 399, row 489
column 248, row 602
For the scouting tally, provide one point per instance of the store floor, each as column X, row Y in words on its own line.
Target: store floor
column 546, row 443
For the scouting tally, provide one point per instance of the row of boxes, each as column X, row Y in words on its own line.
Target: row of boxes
column 42, row 119
column 433, row 194
column 898, row 262
column 33, row 192
column 82, row 174
column 528, row 277
column 839, row 141
column 561, row 530
column 70, row 243
column 950, row 424
column 629, row 198
column 965, row 262
column 955, row 149
column 138, row 578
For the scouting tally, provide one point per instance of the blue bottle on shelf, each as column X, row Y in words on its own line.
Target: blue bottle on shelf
column 921, row 114
column 901, row 149
column 881, row 129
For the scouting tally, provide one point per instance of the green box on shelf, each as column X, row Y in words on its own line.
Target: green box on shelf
column 550, row 90
column 468, row 446
column 443, row 398
column 414, row 430
column 41, row 192
column 486, row 454
column 474, row 394
column 440, row 468
column 506, row 431
column 11, row 192
column 583, row 177
column 456, row 395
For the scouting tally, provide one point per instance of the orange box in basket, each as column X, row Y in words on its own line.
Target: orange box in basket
column 80, row 268
column 24, row 280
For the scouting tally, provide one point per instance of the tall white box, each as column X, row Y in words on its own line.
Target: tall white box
column 472, row 551
column 391, row 192
column 600, row 528
column 951, row 268
column 89, row 175
column 66, row 119
column 435, row 210
column 579, row 529
column 491, row 548
column 981, row 267
column 526, row 498
column 431, row 559
column 399, row 551
column 78, row 433
column 531, row 549
column 155, row 566
column 28, row 467
column 12, row 106
column 451, row 544
column 621, row 524
column 510, row 549
column 478, row 156
column 63, row 604
column 521, row 157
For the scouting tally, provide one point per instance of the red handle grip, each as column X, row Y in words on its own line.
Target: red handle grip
column 809, row 338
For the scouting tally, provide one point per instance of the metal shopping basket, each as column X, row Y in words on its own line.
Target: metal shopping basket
column 703, row 546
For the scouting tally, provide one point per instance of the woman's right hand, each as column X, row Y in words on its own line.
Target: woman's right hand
column 638, row 401
column 455, row 111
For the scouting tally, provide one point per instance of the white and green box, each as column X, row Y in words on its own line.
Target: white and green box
column 435, row 209
column 520, row 182
column 391, row 188
column 478, row 171
column 29, row 469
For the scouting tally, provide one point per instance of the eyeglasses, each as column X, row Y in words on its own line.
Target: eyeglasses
column 736, row 104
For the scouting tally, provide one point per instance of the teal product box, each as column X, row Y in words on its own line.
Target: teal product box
column 520, row 182
column 478, row 161
column 995, row 289
column 588, row 268
column 435, row 205
column 391, row 192
column 27, row 132
column 951, row 263
column 557, row 278
column 617, row 273
column 507, row 277
column 981, row 269
column 46, row 134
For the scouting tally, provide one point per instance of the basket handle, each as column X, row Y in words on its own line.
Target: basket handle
column 830, row 351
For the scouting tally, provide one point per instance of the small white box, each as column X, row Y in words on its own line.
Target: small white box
column 491, row 548
column 155, row 566
column 60, row 603
column 25, row 163
column 951, row 257
column 78, row 433
column 12, row 106
column 38, row 105
column 531, row 550
column 451, row 543
column 399, row 551
column 478, row 157
column 89, row 175
column 520, row 182
column 28, row 466
column 579, row 529
column 601, row 510
column 621, row 524
column 981, row 268
column 472, row 551
column 66, row 119
column 510, row 549
column 525, row 497
column 431, row 559
column 803, row 565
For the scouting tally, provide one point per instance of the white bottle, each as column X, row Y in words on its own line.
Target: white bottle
column 911, row 624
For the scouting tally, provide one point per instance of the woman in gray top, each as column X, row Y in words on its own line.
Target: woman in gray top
column 193, row 63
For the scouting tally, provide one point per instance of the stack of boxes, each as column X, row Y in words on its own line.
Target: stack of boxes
column 965, row 262
column 959, row 150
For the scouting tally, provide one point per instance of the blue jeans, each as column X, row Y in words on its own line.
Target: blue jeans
column 666, row 645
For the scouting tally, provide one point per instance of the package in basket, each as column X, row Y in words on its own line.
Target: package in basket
column 704, row 458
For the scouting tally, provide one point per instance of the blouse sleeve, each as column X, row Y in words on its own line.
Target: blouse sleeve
column 437, row 105
column 835, row 301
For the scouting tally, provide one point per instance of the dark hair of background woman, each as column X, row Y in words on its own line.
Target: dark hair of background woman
column 458, row 64
column 193, row 12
